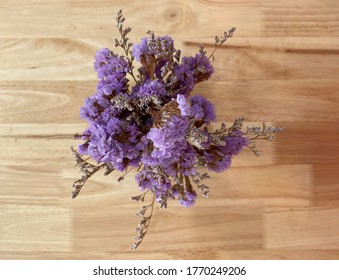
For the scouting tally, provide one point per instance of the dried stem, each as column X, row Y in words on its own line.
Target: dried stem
column 123, row 42
column 123, row 176
column 197, row 178
column 88, row 170
column 144, row 223
column 140, row 197
column 221, row 40
column 264, row 132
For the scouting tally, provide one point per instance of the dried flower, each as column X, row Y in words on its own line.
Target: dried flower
column 145, row 116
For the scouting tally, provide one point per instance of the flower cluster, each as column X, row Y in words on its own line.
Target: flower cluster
column 146, row 117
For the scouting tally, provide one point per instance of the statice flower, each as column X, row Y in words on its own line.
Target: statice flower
column 236, row 142
column 218, row 156
column 91, row 109
column 140, row 49
column 157, row 46
column 216, row 159
column 115, row 142
column 107, row 63
column 112, row 70
column 202, row 109
column 144, row 116
column 152, row 87
column 153, row 179
column 188, row 161
column 183, row 105
column 168, row 141
column 188, row 198
column 185, row 80
column 200, row 67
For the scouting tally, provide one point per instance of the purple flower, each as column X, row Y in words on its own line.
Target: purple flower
column 200, row 66
column 152, row 88
column 112, row 85
column 101, row 56
column 188, row 161
column 183, row 105
column 188, row 198
column 140, row 49
column 202, row 109
column 98, row 109
column 155, row 54
column 106, row 63
column 153, row 179
column 216, row 160
column 144, row 49
column 185, row 79
column 116, row 141
column 235, row 143
column 112, row 70
column 91, row 109
column 168, row 141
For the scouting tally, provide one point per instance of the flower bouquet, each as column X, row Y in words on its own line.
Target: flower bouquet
column 144, row 116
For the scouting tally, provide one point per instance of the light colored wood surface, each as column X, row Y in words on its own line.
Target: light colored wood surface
column 281, row 67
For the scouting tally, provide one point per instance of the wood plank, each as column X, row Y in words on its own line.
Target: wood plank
column 277, row 185
column 179, row 253
column 43, row 101
column 243, row 59
column 30, row 184
column 311, row 228
column 232, row 228
column 288, row 102
column 88, row 19
column 249, row 58
column 55, row 58
column 294, row 18
column 326, row 185
column 32, row 228
column 309, row 142
column 44, row 145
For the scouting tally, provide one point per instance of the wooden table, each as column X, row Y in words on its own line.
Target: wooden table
column 282, row 66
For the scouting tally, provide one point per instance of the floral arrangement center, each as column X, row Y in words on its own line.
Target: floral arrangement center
column 144, row 115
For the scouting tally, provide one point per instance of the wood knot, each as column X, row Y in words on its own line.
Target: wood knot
column 173, row 14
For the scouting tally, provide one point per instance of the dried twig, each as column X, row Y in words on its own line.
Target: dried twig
column 219, row 41
column 145, row 221
column 88, row 170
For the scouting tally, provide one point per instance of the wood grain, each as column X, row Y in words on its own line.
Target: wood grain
column 33, row 228
column 281, row 66
column 302, row 229
column 292, row 18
